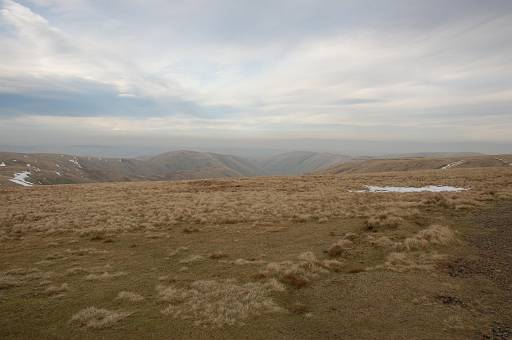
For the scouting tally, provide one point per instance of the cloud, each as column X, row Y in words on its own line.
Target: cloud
column 358, row 69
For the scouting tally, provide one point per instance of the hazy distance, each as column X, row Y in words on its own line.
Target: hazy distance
column 118, row 78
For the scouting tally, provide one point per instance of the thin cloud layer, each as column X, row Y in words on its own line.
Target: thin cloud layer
column 368, row 70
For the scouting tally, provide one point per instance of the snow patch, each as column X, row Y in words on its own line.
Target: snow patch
column 75, row 162
column 452, row 165
column 58, row 173
column 503, row 161
column 428, row 188
column 2, row 164
column 21, row 178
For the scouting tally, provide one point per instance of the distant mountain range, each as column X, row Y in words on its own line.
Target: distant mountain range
column 418, row 163
column 44, row 168
column 301, row 162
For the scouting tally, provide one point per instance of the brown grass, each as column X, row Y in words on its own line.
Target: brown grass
column 226, row 211
column 383, row 221
column 382, row 241
column 9, row 281
column 55, row 290
column 217, row 255
column 219, row 303
column 104, row 276
column 402, row 261
column 93, row 317
column 340, row 248
column 129, row 296
column 192, row 259
column 20, row 276
column 283, row 199
column 298, row 273
column 433, row 235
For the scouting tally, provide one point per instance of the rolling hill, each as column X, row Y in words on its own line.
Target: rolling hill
column 418, row 163
column 301, row 162
column 28, row 169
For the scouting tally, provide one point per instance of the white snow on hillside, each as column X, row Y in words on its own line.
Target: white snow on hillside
column 452, row 165
column 503, row 161
column 2, row 164
column 428, row 188
column 21, row 178
column 75, row 161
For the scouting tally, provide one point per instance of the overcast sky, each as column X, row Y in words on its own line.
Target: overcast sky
column 83, row 71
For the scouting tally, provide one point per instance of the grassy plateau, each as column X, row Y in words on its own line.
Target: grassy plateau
column 259, row 258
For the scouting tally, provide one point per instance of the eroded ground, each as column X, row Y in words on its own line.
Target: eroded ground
column 259, row 258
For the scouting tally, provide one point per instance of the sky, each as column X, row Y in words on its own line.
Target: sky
column 291, row 74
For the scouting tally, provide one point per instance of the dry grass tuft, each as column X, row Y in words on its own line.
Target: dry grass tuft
column 298, row 308
column 402, row 262
column 217, row 255
column 340, row 248
column 190, row 230
column 93, row 317
column 86, row 251
column 104, row 276
column 351, row 236
column 192, row 259
column 55, row 290
column 433, row 235
column 382, row 241
column 219, row 303
column 9, row 281
column 76, row 270
column 19, row 276
column 241, row 262
column 129, row 296
column 333, row 265
column 383, row 221
column 298, row 274
column 177, row 251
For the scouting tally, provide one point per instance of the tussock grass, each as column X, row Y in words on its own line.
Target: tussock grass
column 129, row 296
column 177, row 251
column 190, row 230
column 383, row 221
column 299, row 273
column 433, row 235
column 93, row 317
column 212, row 303
column 241, row 262
column 405, row 261
column 53, row 290
column 76, row 270
column 382, row 241
column 340, row 248
column 333, row 265
column 9, row 281
column 311, row 199
column 104, row 276
column 19, row 276
column 217, row 255
column 86, row 251
column 351, row 236
column 192, row 259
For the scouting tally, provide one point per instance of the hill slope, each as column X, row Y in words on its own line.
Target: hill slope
column 419, row 163
column 192, row 164
column 26, row 169
column 301, row 162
